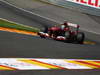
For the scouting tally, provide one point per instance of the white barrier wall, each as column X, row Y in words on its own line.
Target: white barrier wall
column 91, row 3
column 85, row 6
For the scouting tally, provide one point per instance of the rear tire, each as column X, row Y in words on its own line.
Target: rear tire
column 67, row 34
column 80, row 37
column 68, row 37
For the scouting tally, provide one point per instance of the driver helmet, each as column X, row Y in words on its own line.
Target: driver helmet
column 62, row 27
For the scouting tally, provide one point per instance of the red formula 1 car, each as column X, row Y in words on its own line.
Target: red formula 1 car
column 70, row 34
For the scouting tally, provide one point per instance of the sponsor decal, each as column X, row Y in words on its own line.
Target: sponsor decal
column 91, row 3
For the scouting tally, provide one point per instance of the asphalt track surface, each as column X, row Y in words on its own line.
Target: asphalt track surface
column 18, row 45
column 87, row 22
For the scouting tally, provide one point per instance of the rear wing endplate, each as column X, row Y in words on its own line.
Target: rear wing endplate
column 73, row 25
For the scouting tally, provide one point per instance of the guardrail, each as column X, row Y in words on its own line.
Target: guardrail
column 75, row 6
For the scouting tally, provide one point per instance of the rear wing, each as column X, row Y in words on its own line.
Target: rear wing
column 73, row 25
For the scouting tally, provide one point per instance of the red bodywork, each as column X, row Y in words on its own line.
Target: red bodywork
column 70, row 33
column 58, row 29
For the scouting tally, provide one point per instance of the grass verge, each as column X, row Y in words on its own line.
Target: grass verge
column 8, row 24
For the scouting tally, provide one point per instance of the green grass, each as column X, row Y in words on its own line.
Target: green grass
column 4, row 23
